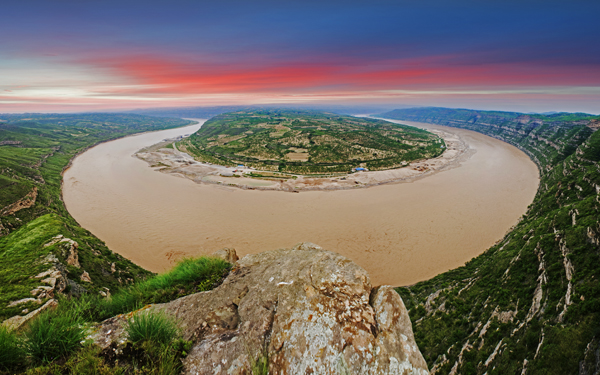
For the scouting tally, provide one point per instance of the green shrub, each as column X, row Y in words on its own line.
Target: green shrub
column 54, row 335
column 153, row 326
column 12, row 353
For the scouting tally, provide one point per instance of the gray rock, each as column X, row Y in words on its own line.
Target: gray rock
column 18, row 321
column 76, row 289
column 307, row 310
column 227, row 254
column 55, row 277
column 24, row 300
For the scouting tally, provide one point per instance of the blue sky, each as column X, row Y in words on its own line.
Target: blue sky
column 84, row 55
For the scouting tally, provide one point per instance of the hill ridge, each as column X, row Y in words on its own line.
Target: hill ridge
column 531, row 303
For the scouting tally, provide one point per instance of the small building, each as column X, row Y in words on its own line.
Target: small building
column 359, row 169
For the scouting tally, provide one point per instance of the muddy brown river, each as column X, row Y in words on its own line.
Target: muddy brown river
column 400, row 233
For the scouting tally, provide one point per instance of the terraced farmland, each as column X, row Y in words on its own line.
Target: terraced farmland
column 306, row 142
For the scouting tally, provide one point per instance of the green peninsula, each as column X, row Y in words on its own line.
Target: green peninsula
column 308, row 142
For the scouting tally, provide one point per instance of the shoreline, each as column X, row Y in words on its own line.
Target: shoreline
column 87, row 148
column 178, row 163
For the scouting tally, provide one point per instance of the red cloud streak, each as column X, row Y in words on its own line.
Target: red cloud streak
column 161, row 76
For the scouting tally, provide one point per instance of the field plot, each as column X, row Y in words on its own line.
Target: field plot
column 307, row 142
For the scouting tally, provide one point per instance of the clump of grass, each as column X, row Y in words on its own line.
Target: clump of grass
column 154, row 326
column 201, row 271
column 260, row 365
column 58, row 334
column 12, row 352
column 87, row 361
column 158, row 359
column 54, row 335
column 155, row 337
column 189, row 276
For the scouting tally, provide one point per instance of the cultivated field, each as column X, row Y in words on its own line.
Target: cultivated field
column 306, row 142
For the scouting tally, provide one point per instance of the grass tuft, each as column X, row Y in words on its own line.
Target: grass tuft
column 154, row 326
column 156, row 340
column 54, row 335
column 12, row 352
column 260, row 366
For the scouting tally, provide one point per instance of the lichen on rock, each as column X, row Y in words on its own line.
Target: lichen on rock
column 307, row 310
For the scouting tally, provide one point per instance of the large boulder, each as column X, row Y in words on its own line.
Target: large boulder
column 305, row 310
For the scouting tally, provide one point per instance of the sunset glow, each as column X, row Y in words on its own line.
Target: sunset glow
column 72, row 56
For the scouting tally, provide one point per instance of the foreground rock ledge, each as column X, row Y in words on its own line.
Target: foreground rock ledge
column 309, row 311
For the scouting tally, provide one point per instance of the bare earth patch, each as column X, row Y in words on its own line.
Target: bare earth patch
column 297, row 156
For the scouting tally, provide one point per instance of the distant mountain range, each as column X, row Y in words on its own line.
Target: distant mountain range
column 208, row 112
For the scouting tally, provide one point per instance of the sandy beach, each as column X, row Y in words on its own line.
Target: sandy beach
column 400, row 232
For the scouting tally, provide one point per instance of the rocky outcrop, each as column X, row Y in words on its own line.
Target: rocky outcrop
column 305, row 310
column 18, row 321
column 4, row 143
column 26, row 202
column 594, row 124
column 85, row 277
column 54, row 281
column 68, row 249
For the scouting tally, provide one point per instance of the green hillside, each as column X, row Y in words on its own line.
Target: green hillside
column 307, row 142
column 547, row 139
column 531, row 303
column 36, row 232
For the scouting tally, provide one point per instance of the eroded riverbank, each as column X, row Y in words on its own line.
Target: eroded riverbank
column 400, row 232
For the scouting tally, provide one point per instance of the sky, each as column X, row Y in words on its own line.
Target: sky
column 88, row 55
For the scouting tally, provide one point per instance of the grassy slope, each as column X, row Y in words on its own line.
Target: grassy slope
column 55, row 342
column 532, row 301
column 34, row 149
column 333, row 143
